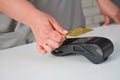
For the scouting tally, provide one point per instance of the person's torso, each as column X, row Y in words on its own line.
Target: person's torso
column 67, row 12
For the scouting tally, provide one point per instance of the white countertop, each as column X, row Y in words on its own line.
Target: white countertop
column 25, row 63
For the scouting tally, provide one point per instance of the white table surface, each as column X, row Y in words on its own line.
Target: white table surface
column 25, row 63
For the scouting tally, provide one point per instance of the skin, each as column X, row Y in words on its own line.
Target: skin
column 48, row 33
column 109, row 11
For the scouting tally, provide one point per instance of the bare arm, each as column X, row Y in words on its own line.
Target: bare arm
column 109, row 10
column 45, row 28
column 21, row 10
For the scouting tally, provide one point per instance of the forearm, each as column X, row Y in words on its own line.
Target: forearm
column 21, row 10
column 109, row 10
column 102, row 1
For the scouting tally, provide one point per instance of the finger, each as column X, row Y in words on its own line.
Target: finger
column 58, row 27
column 107, row 20
column 64, row 38
column 117, row 19
column 53, row 44
column 41, row 49
column 47, row 47
column 56, row 36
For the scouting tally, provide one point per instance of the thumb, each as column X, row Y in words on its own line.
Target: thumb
column 59, row 28
column 107, row 20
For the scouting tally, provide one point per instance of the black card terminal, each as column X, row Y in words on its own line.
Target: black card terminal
column 95, row 49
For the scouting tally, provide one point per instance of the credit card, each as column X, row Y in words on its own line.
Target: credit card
column 78, row 31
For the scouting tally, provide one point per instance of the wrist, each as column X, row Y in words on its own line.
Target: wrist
column 31, row 18
column 36, row 17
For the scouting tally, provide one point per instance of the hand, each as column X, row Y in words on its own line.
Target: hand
column 109, row 10
column 48, row 33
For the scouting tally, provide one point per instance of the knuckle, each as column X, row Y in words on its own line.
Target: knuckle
column 57, row 45
column 57, row 36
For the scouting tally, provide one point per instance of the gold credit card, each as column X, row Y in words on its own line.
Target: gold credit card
column 78, row 31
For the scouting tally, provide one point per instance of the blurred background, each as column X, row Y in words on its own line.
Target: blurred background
column 91, row 11
column 93, row 14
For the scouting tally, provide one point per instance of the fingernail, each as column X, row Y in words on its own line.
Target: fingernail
column 65, row 32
